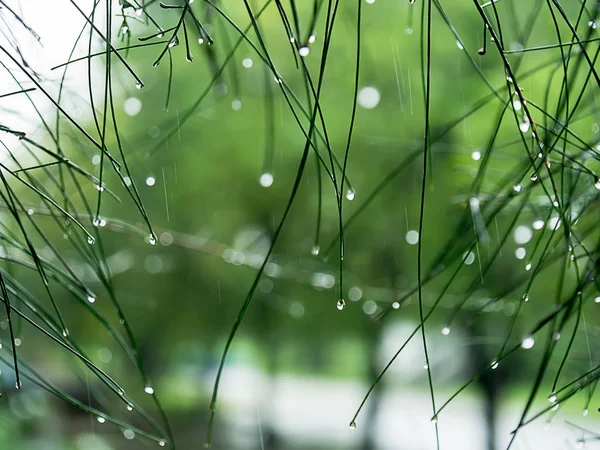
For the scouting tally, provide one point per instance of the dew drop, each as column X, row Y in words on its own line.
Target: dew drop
column 585, row 412
column 129, row 407
column 434, row 420
column 18, row 385
column 494, row 365
column 459, row 45
column 517, row 187
column 152, row 239
column 91, row 298
column 528, row 342
column 91, row 240
column 425, row 366
column 476, row 155
column 162, row 443
column 597, row 183
column 139, row 85
column 350, row 194
column 149, row 390
column 150, row 181
column 96, row 222
column 597, row 299
column 341, row 304
column 65, row 333
column 100, row 419
column 312, row 38
column 315, row 250
column 528, row 267
column 446, row 331
column 534, row 176
column 200, row 40
column 304, row 51
column 552, row 398
column 247, row 63
column 412, row 237
column 266, row 179
column 353, row 425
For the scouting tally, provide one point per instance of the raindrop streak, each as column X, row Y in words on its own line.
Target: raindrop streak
column 341, row 304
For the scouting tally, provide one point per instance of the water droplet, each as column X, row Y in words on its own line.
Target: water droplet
column 538, row 224
column 434, row 420
column 247, row 63
column 100, row 419
column 152, row 239
column 18, row 384
column 592, row 24
column 585, row 412
column 597, row 183
column 369, row 97
column 459, row 45
column 139, row 85
column 597, row 299
column 522, row 234
column 425, row 366
column 528, row 267
column 446, row 331
column 534, row 176
column 476, row 155
column 91, row 240
column 150, row 181
column 162, row 443
column 517, row 187
column 129, row 407
column 129, row 434
column 520, row 253
column 315, row 250
column 528, row 342
column 412, row 237
column 524, row 125
column 552, row 398
column 556, row 336
column 494, row 365
column 341, row 304
column 96, row 222
column 91, row 298
column 65, row 333
column 469, row 258
column 312, row 38
column 266, row 179
column 396, row 305
column 353, row 425
column 304, row 51
column 149, row 390
column 517, row 105
column 350, row 194
column 236, row 105
column 555, row 407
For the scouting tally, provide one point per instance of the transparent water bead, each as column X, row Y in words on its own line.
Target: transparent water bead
column 552, row 398
column 266, row 180
column 152, row 239
column 90, row 240
column 517, row 187
column 412, row 237
column 341, row 304
column 91, row 298
column 528, row 342
column 494, row 365
column 353, row 425
column 350, row 194
column 304, row 51
column 369, row 97
column 100, row 419
column 149, row 390
column 315, row 250
column 139, row 85
column 446, row 331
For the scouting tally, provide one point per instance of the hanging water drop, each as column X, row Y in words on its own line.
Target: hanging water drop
column 96, row 222
column 552, row 398
column 341, row 304
column 266, row 179
column 517, row 187
column 304, row 51
column 100, row 419
column 91, row 240
column 446, row 331
column 315, row 250
column 149, row 390
column 585, row 412
column 91, row 298
column 152, row 239
column 494, row 365
column 597, row 183
column 425, row 366
column 162, row 443
column 129, row 407
column 353, row 425
column 139, row 85
column 534, row 176
column 528, row 342
column 350, row 194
